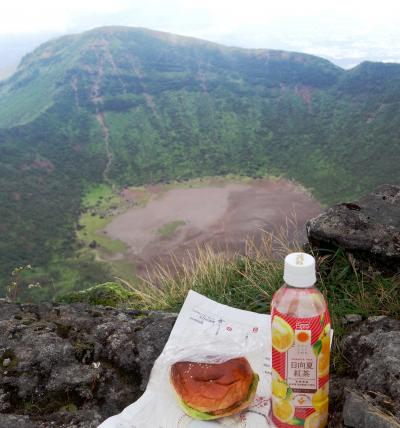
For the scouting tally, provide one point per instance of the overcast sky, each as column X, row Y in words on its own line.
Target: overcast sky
column 344, row 31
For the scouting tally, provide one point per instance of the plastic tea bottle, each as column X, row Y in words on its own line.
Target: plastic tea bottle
column 300, row 348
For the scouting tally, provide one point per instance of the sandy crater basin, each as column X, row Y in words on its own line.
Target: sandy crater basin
column 223, row 216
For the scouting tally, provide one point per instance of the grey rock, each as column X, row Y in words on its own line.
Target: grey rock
column 74, row 365
column 373, row 349
column 16, row 421
column 337, row 387
column 147, row 335
column 351, row 319
column 358, row 412
column 368, row 230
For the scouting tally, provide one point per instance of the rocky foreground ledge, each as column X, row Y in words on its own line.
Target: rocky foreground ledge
column 75, row 365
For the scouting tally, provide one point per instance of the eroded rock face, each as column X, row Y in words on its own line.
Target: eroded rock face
column 373, row 349
column 368, row 229
column 359, row 412
column 74, row 365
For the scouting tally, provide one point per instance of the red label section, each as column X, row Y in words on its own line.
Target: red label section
column 300, row 362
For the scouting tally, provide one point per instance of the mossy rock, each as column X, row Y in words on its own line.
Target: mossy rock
column 69, row 408
column 107, row 294
column 8, row 355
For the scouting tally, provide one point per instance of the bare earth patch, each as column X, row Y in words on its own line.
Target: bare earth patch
column 221, row 216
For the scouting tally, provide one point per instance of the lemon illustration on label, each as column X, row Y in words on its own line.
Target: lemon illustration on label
column 320, row 399
column 321, row 350
column 282, row 334
column 283, row 409
column 316, row 420
column 280, row 388
column 323, row 364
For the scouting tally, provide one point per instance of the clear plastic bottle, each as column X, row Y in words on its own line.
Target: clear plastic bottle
column 300, row 348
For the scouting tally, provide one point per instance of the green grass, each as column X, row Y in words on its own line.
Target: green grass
column 107, row 294
column 245, row 282
column 98, row 203
column 123, row 269
column 169, row 229
column 92, row 225
column 25, row 105
column 220, row 181
column 63, row 275
column 249, row 282
column 100, row 196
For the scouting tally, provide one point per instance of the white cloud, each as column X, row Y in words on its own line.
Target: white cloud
column 223, row 16
column 308, row 25
column 27, row 16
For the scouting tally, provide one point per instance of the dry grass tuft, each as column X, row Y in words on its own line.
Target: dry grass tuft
column 249, row 282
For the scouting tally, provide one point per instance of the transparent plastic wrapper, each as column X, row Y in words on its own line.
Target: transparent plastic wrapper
column 205, row 331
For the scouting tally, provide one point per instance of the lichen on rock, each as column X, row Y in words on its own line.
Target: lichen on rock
column 107, row 294
column 368, row 229
column 74, row 365
column 373, row 349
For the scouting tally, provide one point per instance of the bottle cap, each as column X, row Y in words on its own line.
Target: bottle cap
column 299, row 270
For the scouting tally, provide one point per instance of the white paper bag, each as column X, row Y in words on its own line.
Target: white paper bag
column 205, row 328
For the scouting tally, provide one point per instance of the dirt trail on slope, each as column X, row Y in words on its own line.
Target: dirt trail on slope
column 110, row 59
column 97, row 100
column 74, row 85
column 106, row 136
column 222, row 217
column 149, row 99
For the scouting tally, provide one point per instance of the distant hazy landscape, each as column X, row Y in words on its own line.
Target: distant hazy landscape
column 91, row 124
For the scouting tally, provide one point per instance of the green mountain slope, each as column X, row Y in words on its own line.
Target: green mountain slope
column 131, row 106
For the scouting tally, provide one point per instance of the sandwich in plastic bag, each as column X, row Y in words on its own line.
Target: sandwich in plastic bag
column 227, row 352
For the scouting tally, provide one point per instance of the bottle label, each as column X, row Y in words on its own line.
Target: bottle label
column 300, row 375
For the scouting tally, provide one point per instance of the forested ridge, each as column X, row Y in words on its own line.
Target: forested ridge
column 133, row 106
